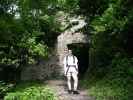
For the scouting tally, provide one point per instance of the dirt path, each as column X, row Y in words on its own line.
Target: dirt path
column 61, row 90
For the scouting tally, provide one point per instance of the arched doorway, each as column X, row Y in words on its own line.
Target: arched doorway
column 81, row 51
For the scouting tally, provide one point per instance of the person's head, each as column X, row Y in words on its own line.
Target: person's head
column 69, row 52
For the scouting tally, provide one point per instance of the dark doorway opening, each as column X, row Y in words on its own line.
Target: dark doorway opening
column 81, row 51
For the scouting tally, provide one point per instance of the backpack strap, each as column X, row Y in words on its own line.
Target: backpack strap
column 74, row 62
column 67, row 60
column 67, row 70
column 73, row 59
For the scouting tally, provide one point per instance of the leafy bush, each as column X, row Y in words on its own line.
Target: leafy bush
column 4, row 88
column 116, row 83
column 110, row 77
column 31, row 91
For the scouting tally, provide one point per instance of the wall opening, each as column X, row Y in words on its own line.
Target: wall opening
column 81, row 51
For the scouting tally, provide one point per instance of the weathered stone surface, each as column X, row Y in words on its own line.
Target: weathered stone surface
column 42, row 71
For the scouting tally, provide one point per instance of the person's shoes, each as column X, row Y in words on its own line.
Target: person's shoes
column 75, row 92
column 69, row 91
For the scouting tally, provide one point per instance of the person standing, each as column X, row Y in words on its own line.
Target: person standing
column 71, row 71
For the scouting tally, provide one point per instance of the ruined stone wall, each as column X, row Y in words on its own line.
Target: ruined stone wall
column 54, row 66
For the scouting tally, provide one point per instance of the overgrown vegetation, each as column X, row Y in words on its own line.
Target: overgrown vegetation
column 110, row 76
column 29, row 28
column 28, row 31
column 4, row 88
column 113, row 81
column 31, row 91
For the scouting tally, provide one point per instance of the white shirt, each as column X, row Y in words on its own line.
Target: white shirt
column 70, row 61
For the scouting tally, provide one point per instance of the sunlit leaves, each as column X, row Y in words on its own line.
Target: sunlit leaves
column 111, row 63
column 68, row 5
column 31, row 91
column 108, row 20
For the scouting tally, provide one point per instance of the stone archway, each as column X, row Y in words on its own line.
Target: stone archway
column 67, row 38
column 81, row 51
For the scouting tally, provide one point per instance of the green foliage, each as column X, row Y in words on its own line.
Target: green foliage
column 116, row 83
column 29, row 29
column 26, row 50
column 109, row 31
column 110, row 76
column 31, row 91
column 68, row 5
column 30, row 35
column 4, row 88
column 109, row 20
column 34, row 47
column 30, row 25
